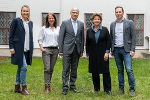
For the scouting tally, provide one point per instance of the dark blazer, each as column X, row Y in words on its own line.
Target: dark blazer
column 97, row 50
column 67, row 38
column 129, row 35
column 16, row 41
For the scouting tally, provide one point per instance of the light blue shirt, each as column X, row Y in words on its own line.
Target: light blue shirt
column 119, row 34
column 74, row 24
column 97, row 32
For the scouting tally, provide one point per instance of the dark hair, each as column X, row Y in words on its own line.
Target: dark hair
column 119, row 7
column 47, row 23
column 96, row 14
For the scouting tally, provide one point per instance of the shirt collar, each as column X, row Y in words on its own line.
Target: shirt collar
column 73, row 20
column 121, row 20
column 100, row 27
column 24, row 20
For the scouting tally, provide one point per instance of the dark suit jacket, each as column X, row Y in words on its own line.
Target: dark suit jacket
column 16, row 41
column 129, row 35
column 67, row 38
column 97, row 50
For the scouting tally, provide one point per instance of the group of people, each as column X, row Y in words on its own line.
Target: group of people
column 68, row 41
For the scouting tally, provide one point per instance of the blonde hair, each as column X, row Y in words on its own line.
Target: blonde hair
column 28, row 8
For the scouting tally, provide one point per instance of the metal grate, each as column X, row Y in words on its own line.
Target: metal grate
column 5, row 21
column 138, row 20
column 88, row 20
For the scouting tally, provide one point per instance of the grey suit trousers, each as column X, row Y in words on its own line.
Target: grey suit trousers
column 70, row 64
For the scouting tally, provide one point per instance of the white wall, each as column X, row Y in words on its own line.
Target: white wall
column 106, row 7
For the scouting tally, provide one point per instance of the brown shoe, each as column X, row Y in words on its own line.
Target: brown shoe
column 17, row 89
column 121, row 91
column 47, row 89
column 24, row 90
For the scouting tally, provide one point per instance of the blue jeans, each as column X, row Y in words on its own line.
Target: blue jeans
column 120, row 56
column 21, row 73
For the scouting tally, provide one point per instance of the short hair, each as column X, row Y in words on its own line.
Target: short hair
column 96, row 14
column 47, row 23
column 28, row 8
column 119, row 7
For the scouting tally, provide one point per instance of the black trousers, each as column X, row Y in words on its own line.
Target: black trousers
column 106, row 81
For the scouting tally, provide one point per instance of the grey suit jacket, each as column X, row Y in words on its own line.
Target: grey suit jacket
column 129, row 35
column 67, row 38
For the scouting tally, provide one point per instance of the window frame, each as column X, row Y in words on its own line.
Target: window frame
column 7, row 27
column 138, row 29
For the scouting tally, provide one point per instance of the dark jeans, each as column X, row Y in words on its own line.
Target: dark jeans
column 106, row 81
column 120, row 57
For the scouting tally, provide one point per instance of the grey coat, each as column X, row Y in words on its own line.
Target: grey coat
column 67, row 38
column 129, row 35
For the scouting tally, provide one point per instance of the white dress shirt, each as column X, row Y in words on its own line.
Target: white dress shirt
column 48, row 37
column 26, row 42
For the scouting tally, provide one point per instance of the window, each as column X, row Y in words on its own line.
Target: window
column 5, row 21
column 138, row 20
column 87, row 20
column 44, row 18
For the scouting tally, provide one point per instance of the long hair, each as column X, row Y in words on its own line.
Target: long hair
column 28, row 8
column 55, row 22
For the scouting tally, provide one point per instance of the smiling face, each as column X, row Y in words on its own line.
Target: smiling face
column 119, row 13
column 96, row 21
column 51, row 20
column 74, row 13
column 25, row 13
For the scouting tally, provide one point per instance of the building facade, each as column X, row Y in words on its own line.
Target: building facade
column 136, row 10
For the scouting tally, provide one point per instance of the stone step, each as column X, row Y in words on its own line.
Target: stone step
column 146, row 55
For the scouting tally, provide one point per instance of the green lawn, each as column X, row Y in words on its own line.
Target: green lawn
column 35, row 82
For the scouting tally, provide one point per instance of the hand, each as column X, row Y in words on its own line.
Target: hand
column 81, row 54
column 42, row 49
column 132, row 53
column 106, row 56
column 61, row 54
column 12, row 51
column 87, row 57
column 112, row 54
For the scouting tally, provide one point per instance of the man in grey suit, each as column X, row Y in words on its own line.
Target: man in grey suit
column 71, row 46
column 123, row 48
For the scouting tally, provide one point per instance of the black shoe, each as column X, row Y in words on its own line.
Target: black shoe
column 109, row 92
column 74, row 90
column 96, row 90
column 64, row 92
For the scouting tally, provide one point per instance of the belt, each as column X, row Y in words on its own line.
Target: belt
column 120, row 47
column 52, row 47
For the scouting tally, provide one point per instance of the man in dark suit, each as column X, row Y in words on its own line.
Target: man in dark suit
column 71, row 46
column 123, row 38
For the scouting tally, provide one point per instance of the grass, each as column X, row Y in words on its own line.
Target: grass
column 35, row 82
